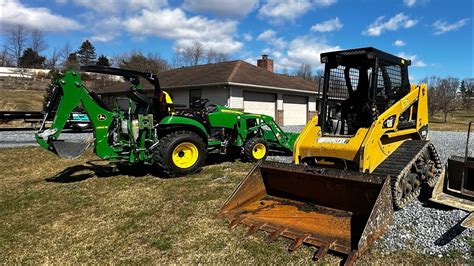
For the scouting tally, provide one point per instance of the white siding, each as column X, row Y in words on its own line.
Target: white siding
column 260, row 103
column 236, row 98
column 295, row 110
column 312, row 103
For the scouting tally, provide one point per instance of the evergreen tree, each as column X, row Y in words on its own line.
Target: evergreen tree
column 103, row 61
column 31, row 59
column 72, row 62
column 86, row 54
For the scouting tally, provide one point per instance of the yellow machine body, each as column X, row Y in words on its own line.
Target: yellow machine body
column 369, row 146
column 366, row 152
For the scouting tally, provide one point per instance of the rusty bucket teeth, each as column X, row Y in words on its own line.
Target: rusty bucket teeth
column 298, row 242
column 254, row 228
column 236, row 222
column 323, row 249
column 273, row 236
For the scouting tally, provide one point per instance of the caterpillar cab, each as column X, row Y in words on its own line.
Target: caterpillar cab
column 366, row 152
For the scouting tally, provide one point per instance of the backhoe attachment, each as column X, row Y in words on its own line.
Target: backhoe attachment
column 328, row 208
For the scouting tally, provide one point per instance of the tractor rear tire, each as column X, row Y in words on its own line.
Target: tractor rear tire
column 255, row 149
column 180, row 153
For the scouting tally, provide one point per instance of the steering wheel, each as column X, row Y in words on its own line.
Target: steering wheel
column 211, row 108
column 199, row 103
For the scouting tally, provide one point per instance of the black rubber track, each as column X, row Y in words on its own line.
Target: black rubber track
column 399, row 164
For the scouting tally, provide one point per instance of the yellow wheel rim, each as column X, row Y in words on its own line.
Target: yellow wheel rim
column 258, row 151
column 185, row 155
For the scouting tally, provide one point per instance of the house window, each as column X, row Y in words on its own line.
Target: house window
column 194, row 94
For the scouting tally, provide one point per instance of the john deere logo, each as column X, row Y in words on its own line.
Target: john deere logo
column 101, row 117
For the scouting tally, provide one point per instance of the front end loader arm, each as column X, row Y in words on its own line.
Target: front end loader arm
column 71, row 93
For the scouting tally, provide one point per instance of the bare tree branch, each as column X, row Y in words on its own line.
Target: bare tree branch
column 38, row 42
column 16, row 39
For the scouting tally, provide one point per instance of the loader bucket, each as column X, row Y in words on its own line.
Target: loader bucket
column 332, row 209
column 456, row 187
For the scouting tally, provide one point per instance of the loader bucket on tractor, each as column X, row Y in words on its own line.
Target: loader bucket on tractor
column 328, row 208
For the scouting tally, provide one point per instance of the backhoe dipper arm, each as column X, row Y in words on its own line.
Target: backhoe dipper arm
column 72, row 93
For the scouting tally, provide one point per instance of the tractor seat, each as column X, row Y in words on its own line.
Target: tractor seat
column 144, row 103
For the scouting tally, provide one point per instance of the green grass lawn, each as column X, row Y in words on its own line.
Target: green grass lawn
column 457, row 121
column 21, row 100
column 89, row 217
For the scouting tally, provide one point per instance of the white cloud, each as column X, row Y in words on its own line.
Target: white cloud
column 307, row 50
column 400, row 20
column 328, row 25
column 106, row 30
column 112, row 6
column 173, row 24
column 399, row 43
column 414, row 60
column 278, row 11
column 271, row 38
column 247, row 37
column 324, row 2
column 441, row 26
column 14, row 13
column 409, row 2
column 234, row 8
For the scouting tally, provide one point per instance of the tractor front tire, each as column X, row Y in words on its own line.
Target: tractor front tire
column 180, row 153
column 255, row 149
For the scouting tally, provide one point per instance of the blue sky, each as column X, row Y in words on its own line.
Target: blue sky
column 436, row 34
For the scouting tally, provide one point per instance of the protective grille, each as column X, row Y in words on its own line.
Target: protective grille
column 338, row 90
column 389, row 78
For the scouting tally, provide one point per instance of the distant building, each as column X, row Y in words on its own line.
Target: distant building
column 240, row 85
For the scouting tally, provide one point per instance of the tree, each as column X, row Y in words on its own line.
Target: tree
column 103, row 61
column 38, row 43
column 137, row 61
column 432, row 83
column 5, row 58
column 53, row 60
column 31, row 59
column 16, row 39
column 72, row 62
column 191, row 55
column 467, row 92
column 446, row 95
column 305, row 72
column 86, row 53
column 215, row 57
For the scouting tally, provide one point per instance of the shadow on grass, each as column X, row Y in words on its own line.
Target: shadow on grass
column 91, row 169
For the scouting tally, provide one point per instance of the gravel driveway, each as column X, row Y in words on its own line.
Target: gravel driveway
column 10, row 139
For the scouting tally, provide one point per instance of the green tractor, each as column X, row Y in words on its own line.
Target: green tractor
column 142, row 130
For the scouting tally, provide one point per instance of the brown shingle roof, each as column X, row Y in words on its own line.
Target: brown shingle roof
column 236, row 71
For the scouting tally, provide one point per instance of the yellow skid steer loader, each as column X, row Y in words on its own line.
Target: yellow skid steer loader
column 366, row 152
